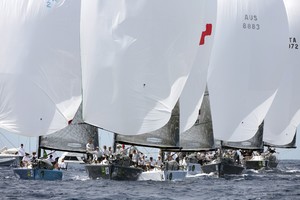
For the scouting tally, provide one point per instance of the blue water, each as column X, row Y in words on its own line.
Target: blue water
column 283, row 183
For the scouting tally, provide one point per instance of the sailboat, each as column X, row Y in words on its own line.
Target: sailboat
column 255, row 144
column 200, row 138
column 132, row 76
column 283, row 117
column 169, row 139
column 271, row 154
column 240, row 92
column 73, row 138
column 196, row 133
column 166, row 139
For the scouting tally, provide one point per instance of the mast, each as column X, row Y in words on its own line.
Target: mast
column 39, row 147
column 114, row 143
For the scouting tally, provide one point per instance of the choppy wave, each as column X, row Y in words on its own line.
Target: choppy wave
column 282, row 183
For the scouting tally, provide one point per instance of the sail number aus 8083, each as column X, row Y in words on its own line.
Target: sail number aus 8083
column 251, row 26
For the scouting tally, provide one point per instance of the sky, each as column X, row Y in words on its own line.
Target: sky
column 10, row 140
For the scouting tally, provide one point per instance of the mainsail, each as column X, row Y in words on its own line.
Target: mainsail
column 73, row 138
column 136, row 57
column 164, row 138
column 199, row 137
column 292, row 144
column 40, row 84
column 284, row 116
column 243, row 55
column 254, row 143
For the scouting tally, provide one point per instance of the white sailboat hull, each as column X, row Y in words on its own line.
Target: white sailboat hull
column 163, row 175
column 8, row 161
column 193, row 169
column 171, row 175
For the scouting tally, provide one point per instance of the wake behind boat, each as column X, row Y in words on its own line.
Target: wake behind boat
column 163, row 175
column 171, row 171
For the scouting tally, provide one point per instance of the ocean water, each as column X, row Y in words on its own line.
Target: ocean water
column 282, row 183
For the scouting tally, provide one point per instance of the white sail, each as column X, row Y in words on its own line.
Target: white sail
column 247, row 64
column 250, row 122
column 192, row 94
column 283, row 117
column 40, row 86
column 136, row 57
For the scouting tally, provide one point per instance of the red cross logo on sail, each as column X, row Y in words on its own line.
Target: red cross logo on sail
column 205, row 33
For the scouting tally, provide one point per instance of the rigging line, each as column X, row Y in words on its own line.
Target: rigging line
column 8, row 140
column 149, row 151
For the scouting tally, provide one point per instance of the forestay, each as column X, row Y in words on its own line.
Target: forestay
column 284, row 116
column 136, row 57
column 40, row 86
column 247, row 63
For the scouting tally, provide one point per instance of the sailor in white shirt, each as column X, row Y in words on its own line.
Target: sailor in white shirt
column 97, row 154
column 110, row 152
column 104, row 161
column 105, row 151
column 62, row 164
column 26, row 161
column 142, row 161
column 21, row 150
column 152, row 163
column 159, row 161
column 90, row 150
column 120, row 150
column 135, row 157
column 51, row 159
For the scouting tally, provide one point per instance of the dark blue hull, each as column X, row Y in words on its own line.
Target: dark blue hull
column 222, row 168
column 113, row 172
column 38, row 174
